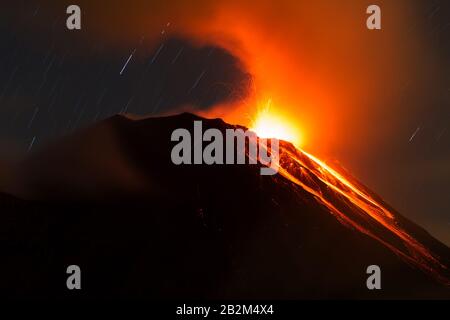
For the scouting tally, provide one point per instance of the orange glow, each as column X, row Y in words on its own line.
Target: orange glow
column 316, row 59
column 331, row 83
column 319, row 76
column 270, row 124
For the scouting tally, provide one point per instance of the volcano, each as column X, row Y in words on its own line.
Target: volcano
column 109, row 199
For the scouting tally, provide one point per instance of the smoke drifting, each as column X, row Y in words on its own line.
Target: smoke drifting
column 315, row 60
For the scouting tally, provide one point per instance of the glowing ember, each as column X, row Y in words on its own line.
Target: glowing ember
column 268, row 124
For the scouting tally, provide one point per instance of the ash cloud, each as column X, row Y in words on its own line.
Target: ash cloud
column 53, row 87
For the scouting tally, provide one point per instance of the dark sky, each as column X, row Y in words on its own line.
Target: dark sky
column 53, row 81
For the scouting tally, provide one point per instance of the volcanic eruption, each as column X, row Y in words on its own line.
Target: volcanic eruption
column 110, row 200
column 305, row 170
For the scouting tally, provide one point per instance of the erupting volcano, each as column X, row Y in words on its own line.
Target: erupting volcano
column 360, row 210
column 160, row 230
column 137, row 147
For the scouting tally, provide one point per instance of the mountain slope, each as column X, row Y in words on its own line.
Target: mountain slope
column 110, row 200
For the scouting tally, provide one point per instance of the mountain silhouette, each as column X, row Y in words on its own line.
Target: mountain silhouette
column 109, row 199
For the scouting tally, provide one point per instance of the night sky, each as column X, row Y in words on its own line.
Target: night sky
column 53, row 81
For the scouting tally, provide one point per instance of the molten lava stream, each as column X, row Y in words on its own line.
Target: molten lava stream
column 293, row 162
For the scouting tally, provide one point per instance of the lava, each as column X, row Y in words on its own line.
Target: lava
column 349, row 201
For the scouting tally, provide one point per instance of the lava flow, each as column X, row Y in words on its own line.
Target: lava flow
column 353, row 205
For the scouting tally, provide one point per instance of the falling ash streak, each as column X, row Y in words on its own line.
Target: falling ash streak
column 197, row 81
column 31, row 144
column 36, row 110
column 157, row 105
column 157, row 53
column 126, row 107
column 102, row 95
column 177, row 56
column 435, row 10
column 126, row 63
column 36, row 11
column 414, row 134
column 441, row 134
